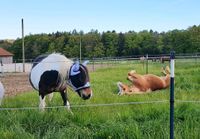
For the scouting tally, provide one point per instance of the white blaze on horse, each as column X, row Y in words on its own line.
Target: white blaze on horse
column 2, row 90
column 54, row 72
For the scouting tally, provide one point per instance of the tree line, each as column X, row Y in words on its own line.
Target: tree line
column 109, row 43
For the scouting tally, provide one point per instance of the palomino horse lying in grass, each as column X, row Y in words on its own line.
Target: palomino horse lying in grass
column 144, row 83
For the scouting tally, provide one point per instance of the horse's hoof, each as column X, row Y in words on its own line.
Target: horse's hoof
column 68, row 109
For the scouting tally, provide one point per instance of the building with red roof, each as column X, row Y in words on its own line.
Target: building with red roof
column 5, row 56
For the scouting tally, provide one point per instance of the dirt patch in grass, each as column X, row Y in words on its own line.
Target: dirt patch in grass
column 15, row 83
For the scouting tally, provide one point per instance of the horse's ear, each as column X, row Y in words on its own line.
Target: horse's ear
column 85, row 62
column 75, row 68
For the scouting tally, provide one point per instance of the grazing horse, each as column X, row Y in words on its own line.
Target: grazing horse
column 52, row 73
column 2, row 90
column 144, row 83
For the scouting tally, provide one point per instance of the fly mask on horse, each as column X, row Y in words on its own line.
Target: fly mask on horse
column 78, row 79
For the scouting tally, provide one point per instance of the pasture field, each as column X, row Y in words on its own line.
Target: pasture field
column 134, row 121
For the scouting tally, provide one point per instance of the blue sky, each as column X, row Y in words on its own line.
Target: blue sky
column 47, row 16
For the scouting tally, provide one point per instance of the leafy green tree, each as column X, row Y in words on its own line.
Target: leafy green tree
column 92, row 44
column 132, row 44
column 107, row 44
column 121, row 44
column 110, row 41
column 194, row 36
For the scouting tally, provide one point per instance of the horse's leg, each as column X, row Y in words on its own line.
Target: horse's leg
column 166, row 80
column 167, row 69
column 132, row 77
column 64, row 97
column 42, row 102
column 65, row 100
column 163, row 71
column 50, row 96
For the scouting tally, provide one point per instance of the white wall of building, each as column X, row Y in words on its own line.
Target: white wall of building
column 6, row 60
column 15, row 67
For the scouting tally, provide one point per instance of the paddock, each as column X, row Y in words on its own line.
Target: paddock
column 106, row 115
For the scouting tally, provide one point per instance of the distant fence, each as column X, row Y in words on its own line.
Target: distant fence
column 109, row 61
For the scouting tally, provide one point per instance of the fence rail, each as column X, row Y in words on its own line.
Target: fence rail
column 96, row 62
column 100, row 105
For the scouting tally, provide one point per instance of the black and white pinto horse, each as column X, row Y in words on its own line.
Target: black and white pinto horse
column 54, row 72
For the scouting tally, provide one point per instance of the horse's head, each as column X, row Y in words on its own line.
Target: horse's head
column 79, row 80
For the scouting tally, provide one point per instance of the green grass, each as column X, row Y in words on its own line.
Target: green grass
column 124, row 121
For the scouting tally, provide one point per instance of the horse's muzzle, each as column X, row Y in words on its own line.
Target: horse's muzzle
column 85, row 93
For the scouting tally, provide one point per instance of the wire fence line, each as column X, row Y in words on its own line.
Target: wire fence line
column 89, row 105
column 188, row 101
column 100, row 105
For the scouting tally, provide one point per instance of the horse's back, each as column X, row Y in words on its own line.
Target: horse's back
column 52, row 62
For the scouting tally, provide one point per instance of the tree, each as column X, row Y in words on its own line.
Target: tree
column 110, row 41
column 107, row 44
column 121, row 44
column 132, row 44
